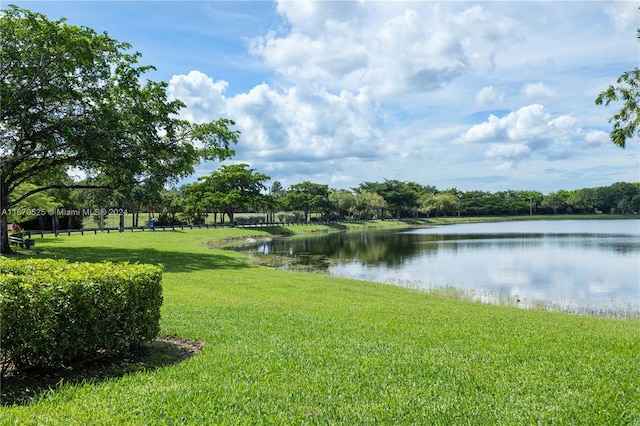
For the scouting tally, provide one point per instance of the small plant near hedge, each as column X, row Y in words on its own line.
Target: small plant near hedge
column 290, row 217
column 251, row 220
column 53, row 312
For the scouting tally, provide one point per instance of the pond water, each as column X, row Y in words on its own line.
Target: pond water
column 578, row 265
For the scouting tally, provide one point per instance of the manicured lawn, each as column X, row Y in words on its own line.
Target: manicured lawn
column 293, row 348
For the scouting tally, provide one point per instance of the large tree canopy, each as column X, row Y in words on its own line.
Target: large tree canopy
column 626, row 122
column 398, row 195
column 75, row 99
column 308, row 197
column 228, row 189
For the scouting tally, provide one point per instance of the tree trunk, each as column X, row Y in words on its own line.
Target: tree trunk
column 5, row 248
column 54, row 224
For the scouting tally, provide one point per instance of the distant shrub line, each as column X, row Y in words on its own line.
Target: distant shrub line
column 53, row 312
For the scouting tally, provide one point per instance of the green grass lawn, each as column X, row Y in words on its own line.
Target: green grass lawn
column 294, row 348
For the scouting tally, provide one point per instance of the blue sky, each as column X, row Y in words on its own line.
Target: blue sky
column 488, row 95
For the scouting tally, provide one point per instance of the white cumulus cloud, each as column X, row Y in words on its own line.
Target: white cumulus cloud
column 531, row 129
column 538, row 91
column 203, row 96
column 623, row 14
column 508, row 151
column 298, row 123
column 388, row 48
column 597, row 138
column 489, row 95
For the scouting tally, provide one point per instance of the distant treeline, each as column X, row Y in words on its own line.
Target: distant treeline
column 222, row 198
column 389, row 199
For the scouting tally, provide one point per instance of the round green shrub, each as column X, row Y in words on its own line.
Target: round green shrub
column 53, row 312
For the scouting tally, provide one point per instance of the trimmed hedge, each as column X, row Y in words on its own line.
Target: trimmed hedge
column 53, row 312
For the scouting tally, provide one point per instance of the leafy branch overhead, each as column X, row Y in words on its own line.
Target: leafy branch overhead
column 626, row 121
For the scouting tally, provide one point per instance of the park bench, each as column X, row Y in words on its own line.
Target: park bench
column 19, row 239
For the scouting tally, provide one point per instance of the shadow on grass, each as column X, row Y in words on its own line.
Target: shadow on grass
column 284, row 231
column 416, row 221
column 21, row 388
column 338, row 226
column 173, row 261
column 280, row 231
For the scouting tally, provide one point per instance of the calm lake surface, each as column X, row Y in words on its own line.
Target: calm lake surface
column 577, row 264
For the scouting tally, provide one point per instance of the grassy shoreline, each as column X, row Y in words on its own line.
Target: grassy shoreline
column 113, row 221
column 294, row 348
column 296, row 230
